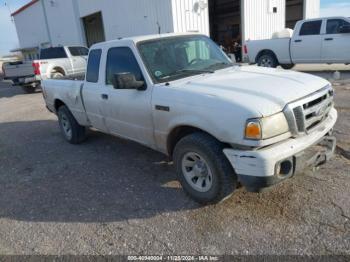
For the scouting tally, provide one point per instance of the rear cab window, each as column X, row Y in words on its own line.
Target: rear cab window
column 78, row 51
column 53, row 53
column 311, row 28
column 93, row 67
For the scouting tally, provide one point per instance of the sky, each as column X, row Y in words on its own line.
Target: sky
column 8, row 35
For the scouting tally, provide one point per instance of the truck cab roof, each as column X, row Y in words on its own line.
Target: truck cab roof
column 138, row 39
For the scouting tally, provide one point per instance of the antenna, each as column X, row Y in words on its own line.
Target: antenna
column 8, row 7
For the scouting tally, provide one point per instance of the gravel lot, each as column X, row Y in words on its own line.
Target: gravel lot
column 111, row 196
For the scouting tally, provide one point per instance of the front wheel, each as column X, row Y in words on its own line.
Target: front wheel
column 203, row 171
column 71, row 130
column 267, row 60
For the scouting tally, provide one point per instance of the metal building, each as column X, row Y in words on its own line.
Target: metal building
column 43, row 23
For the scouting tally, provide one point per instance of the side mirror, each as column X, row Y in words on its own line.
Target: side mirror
column 127, row 81
column 345, row 29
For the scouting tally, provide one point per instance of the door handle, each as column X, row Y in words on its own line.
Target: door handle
column 298, row 41
column 104, row 96
column 328, row 39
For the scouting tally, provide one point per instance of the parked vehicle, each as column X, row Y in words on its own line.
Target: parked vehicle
column 21, row 73
column 322, row 40
column 220, row 123
column 58, row 62
column 54, row 62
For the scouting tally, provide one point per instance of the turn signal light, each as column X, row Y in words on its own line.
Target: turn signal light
column 253, row 130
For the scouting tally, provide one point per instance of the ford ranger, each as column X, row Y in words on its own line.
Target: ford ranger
column 223, row 125
column 321, row 40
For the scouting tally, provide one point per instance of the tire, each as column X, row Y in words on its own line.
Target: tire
column 71, row 130
column 28, row 89
column 267, row 60
column 207, row 155
column 57, row 75
column 287, row 66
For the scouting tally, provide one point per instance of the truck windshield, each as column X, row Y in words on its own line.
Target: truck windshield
column 178, row 57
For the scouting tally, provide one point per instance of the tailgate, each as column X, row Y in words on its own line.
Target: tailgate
column 20, row 70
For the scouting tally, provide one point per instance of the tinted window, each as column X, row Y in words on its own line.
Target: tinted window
column 78, row 51
column 334, row 25
column 93, row 67
column 121, row 60
column 311, row 28
column 53, row 53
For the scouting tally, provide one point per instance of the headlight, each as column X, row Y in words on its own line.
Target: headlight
column 266, row 127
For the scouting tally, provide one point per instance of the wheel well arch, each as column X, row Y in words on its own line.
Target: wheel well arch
column 58, row 103
column 264, row 52
column 179, row 132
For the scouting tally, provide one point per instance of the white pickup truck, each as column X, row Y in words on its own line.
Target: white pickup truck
column 58, row 62
column 54, row 62
column 220, row 123
column 322, row 40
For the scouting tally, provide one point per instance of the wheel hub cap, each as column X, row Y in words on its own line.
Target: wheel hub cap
column 197, row 172
column 66, row 127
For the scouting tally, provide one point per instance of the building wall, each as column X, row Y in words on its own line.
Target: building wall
column 139, row 17
column 311, row 9
column 130, row 18
column 63, row 23
column 259, row 20
column 187, row 17
column 30, row 26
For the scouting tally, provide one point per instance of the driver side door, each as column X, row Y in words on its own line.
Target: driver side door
column 129, row 111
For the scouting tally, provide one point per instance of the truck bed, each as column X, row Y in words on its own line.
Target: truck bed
column 71, row 90
column 280, row 46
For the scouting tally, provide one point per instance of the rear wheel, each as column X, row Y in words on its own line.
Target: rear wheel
column 71, row 130
column 267, row 60
column 287, row 66
column 57, row 75
column 28, row 89
column 203, row 171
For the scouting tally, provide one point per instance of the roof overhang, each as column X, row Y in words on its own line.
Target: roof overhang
column 24, row 49
column 24, row 7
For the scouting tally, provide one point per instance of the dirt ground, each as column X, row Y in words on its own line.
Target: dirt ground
column 111, row 196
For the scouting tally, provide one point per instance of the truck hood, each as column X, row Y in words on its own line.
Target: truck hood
column 263, row 90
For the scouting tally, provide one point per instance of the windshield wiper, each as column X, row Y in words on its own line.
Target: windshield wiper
column 195, row 71
column 219, row 65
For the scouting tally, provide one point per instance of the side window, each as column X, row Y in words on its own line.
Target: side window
column 121, row 60
column 53, row 53
column 311, row 28
column 334, row 25
column 78, row 51
column 93, row 67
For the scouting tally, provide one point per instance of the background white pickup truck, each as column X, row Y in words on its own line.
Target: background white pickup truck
column 219, row 122
column 322, row 40
column 57, row 62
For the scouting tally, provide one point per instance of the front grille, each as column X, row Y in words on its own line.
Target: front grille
column 306, row 114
